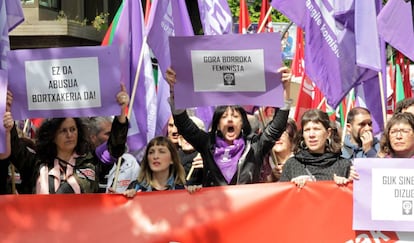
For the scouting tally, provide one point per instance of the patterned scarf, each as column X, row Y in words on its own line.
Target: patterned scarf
column 227, row 156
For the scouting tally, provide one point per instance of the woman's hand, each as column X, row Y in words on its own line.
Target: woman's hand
column 171, row 79
column 9, row 100
column 340, row 180
column 286, row 80
column 353, row 174
column 123, row 100
column 8, row 121
column 193, row 188
column 130, row 193
column 300, row 181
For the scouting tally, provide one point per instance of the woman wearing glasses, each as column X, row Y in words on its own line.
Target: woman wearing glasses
column 398, row 138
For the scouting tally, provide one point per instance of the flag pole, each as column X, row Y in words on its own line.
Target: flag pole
column 348, row 106
column 131, row 104
column 321, row 103
column 269, row 11
column 384, row 112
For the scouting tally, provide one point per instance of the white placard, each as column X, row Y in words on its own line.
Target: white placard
column 63, row 83
column 228, row 71
column 392, row 194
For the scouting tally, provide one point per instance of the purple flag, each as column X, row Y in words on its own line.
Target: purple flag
column 215, row 17
column 11, row 15
column 330, row 56
column 14, row 13
column 167, row 18
column 395, row 25
column 164, row 111
column 371, row 54
column 366, row 35
column 129, row 35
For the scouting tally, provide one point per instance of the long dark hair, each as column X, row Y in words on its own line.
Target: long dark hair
column 218, row 113
column 46, row 149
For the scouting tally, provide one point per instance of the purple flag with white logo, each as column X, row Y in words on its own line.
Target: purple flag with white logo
column 129, row 35
column 395, row 25
column 330, row 55
column 215, row 17
column 167, row 18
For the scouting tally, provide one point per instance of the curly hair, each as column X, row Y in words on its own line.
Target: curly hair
column 385, row 143
column 318, row 116
column 46, row 148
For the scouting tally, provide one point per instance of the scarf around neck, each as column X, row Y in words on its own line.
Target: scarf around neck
column 227, row 156
column 322, row 160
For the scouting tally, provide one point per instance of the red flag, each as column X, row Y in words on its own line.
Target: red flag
column 268, row 27
column 298, row 68
column 305, row 98
column 244, row 19
column 406, row 74
column 147, row 11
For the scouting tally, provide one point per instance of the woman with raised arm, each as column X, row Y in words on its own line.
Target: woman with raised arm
column 63, row 161
column 231, row 153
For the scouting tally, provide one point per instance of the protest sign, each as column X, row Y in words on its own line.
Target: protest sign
column 64, row 82
column 384, row 194
column 227, row 70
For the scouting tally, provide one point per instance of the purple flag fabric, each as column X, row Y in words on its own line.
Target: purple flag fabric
column 11, row 15
column 366, row 35
column 167, row 18
column 129, row 35
column 164, row 111
column 181, row 19
column 215, row 17
column 14, row 13
column 395, row 25
column 330, row 55
column 368, row 92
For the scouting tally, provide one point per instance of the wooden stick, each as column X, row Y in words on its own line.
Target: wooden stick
column 190, row 173
column 269, row 11
column 321, row 103
column 383, row 106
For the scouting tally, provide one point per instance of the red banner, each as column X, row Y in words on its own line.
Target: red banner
column 272, row 212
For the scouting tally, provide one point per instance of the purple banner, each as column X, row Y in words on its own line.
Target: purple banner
column 227, row 69
column 64, row 82
column 384, row 195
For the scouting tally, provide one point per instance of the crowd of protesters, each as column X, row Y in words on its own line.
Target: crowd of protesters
column 73, row 155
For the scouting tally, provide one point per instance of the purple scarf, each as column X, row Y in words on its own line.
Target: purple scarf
column 227, row 156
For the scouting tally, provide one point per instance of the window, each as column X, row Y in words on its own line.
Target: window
column 50, row 3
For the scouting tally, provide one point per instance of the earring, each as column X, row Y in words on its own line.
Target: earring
column 328, row 142
column 302, row 144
